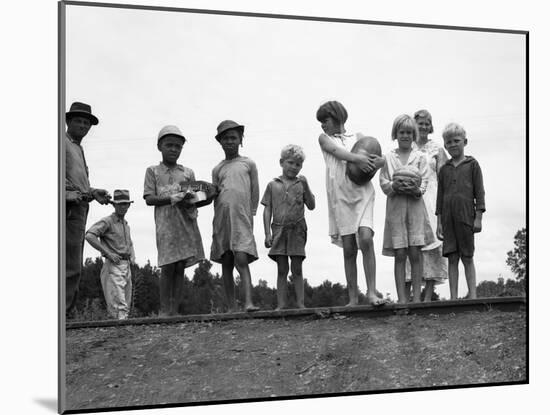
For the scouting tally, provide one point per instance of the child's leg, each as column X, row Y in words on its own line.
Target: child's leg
column 429, row 290
column 165, row 284
column 282, row 274
column 453, row 274
column 228, row 281
column 241, row 263
column 350, row 267
column 298, row 279
column 177, row 283
column 408, row 286
column 399, row 273
column 416, row 271
column 366, row 245
column 470, row 271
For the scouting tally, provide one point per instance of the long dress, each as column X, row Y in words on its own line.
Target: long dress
column 434, row 264
column 234, row 208
column 350, row 206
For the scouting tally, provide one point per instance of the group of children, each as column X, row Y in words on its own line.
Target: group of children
column 429, row 199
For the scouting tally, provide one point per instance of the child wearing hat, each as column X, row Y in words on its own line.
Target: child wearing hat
column 111, row 237
column 233, row 244
column 179, row 242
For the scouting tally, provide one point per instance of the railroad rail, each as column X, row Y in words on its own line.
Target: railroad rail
column 434, row 307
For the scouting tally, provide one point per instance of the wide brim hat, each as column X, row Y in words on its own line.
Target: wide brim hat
column 170, row 130
column 80, row 109
column 121, row 196
column 228, row 125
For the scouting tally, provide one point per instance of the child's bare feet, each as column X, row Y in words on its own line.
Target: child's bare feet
column 375, row 300
column 251, row 308
column 352, row 303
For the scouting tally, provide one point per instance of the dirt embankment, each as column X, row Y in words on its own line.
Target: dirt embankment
column 240, row 359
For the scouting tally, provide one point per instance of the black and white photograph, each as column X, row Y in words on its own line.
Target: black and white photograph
column 272, row 214
column 256, row 205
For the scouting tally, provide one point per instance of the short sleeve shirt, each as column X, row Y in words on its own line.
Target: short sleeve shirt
column 286, row 201
column 114, row 233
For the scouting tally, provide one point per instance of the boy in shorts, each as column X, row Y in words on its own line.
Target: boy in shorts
column 460, row 207
column 284, row 222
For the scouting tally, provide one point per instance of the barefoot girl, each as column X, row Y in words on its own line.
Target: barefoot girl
column 407, row 228
column 233, row 244
column 350, row 206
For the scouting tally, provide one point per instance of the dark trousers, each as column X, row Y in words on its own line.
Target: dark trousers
column 75, row 228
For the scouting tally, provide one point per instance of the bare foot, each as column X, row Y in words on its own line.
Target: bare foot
column 300, row 306
column 251, row 308
column 376, row 301
column 351, row 304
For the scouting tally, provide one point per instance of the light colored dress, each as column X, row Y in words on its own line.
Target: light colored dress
column 407, row 222
column 177, row 232
column 434, row 264
column 234, row 208
column 350, row 206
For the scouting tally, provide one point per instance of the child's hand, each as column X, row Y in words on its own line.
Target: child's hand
column 365, row 163
column 113, row 257
column 439, row 232
column 268, row 241
column 477, row 225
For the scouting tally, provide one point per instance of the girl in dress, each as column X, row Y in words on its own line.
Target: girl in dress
column 350, row 206
column 233, row 244
column 434, row 265
column 403, row 179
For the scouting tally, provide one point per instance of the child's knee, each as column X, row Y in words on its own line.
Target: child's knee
column 400, row 255
column 296, row 265
column 453, row 258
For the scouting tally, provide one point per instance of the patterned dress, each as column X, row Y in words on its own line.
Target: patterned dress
column 178, row 236
column 234, row 208
column 350, row 206
column 434, row 264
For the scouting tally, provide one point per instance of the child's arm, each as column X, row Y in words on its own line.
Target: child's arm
column 266, row 201
column 439, row 205
column 254, row 188
column 309, row 197
column 150, row 191
column 439, row 231
column 385, row 180
column 365, row 163
column 267, row 226
column 424, row 174
column 479, row 194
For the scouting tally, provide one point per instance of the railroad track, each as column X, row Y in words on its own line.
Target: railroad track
column 435, row 307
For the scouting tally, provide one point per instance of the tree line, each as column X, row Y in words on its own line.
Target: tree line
column 203, row 293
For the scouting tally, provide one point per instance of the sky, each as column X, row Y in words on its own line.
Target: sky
column 142, row 69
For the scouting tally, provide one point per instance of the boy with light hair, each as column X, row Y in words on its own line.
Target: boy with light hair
column 284, row 222
column 460, row 207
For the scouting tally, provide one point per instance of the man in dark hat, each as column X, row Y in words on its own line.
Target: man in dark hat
column 78, row 194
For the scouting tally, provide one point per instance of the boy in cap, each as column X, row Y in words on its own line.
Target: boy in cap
column 78, row 194
column 179, row 242
column 111, row 237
